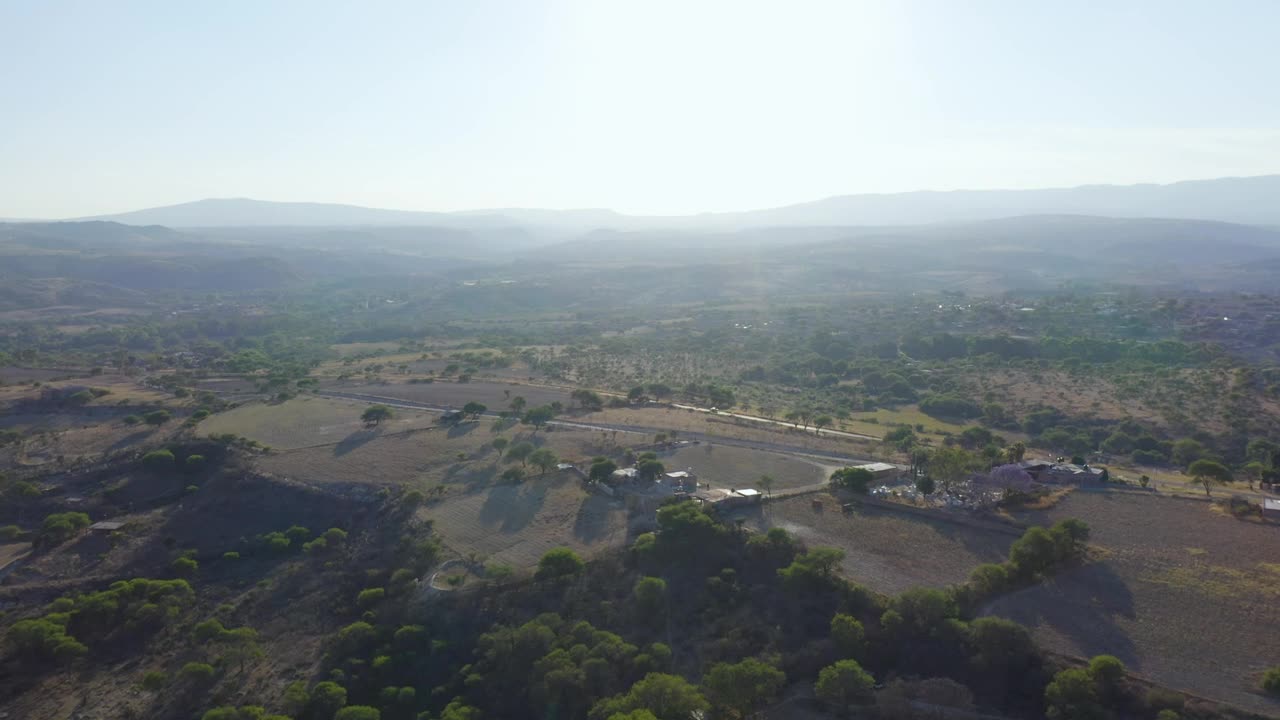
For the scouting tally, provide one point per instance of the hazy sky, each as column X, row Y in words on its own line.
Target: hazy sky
column 650, row 106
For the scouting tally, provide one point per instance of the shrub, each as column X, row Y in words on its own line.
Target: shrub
column 297, row 534
column 370, row 597
column 157, row 417
column 58, row 527
column 158, row 460
column 1271, row 681
column 184, row 566
column 196, row 672
column 326, row 699
column 194, row 463
column 358, row 712
column 558, row 563
column 843, row 683
column 9, row 533
column 154, row 680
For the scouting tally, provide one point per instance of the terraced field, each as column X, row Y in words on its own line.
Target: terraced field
column 1185, row 596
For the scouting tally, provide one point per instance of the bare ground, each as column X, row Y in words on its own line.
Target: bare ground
column 1184, row 596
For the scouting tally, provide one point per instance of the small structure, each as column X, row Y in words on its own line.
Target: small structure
column 1271, row 508
column 719, row 497
column 451, row 417
column 106, row 527
column 881, row 471
column 680, row 480
column 1069, row 473
column 624, row 475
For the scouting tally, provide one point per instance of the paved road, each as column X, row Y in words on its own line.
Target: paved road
column 637, row 429
column 767, row 421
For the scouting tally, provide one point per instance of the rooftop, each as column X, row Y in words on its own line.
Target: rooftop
column 878, row 467
column 1271, row 504
column 106, row 526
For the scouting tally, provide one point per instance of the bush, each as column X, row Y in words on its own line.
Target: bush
column 196, row 672
column 370, row 597
column 843, row 683
column 9, row 533
column 231, row 555
column 1271, row 681
column 184, row 566
column 948, row 406
column 154, row 680
column 358, row 712
column 158, row 460
column 157, row 417
column 558, row 563
column 58, row 527
column 194, row 463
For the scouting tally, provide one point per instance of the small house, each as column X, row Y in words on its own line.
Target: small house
column 881, row 471
column 1271, row 508
column 624, row 475
column 106, row 527
column 451, row 417
column 680, row 480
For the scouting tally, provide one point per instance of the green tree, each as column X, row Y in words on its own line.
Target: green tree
column 1208, row 473
column 358, row 712
column 814, row 570
column 59, row 527
column 741, row 689
column 651, row 597
column 649, row 469
column 500, row 444
column 601, row 469
column 374, row 415
column 843, row 683
column 668, row 697
column 848, row 635
column 538, row 416
column 766, row 484
column 820, row 422
column 474, row 409
column 1072, row 696
column 158, row 460
column 950, row 465
column 1253, row 472
column 853, row 478
column 196, row 673
column 1271, row 681
column 559, row 563
column 543, row 459
column 513, row 475
column 327, row 698
column 157, row 417
column 520, row 452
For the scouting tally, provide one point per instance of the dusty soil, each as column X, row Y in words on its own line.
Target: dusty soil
column 887, row 551
column 306, row 421
column 1184, row 596
column 517, row 524
column 734, row 467
column 496, row 395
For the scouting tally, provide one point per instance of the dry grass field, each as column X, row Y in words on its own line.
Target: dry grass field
column 306, row 421
column 497, row 396
column 517, row 524
column 11, row 375
column 887, row 551
column 735, row 467
column 691, row 421
column 1184, row 596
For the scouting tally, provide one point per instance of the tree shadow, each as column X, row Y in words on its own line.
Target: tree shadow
column 462, row 429
column 1081, row 605
column 512, row 507
column 592, row 521
column 471, row 477
column 355, row 440
column 129, row 440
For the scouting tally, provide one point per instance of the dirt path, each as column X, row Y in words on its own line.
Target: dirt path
column 782, row 423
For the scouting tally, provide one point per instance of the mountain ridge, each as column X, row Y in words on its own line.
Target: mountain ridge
column 1244, row 200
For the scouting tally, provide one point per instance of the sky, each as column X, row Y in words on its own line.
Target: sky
column 648, row 107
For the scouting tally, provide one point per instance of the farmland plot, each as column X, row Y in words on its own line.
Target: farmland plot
column 517, row 524
column 885, row 550
column 1185, row 597
column 307, row 421
column 735, row 467
column 497, row 396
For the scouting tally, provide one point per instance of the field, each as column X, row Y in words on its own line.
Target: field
column 11, row 375
column 517, row 524
column 497, row 396
column 690, row 421
column 306, row 421
column 1186, row 597
column 459, row 457
column 885, row 550
column 735, row 467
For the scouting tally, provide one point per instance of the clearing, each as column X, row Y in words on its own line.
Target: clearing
column 306, row 421
column 1183, row 596
column 886, row 550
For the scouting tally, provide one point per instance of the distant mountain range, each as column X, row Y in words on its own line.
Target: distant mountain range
column 1251, row 200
